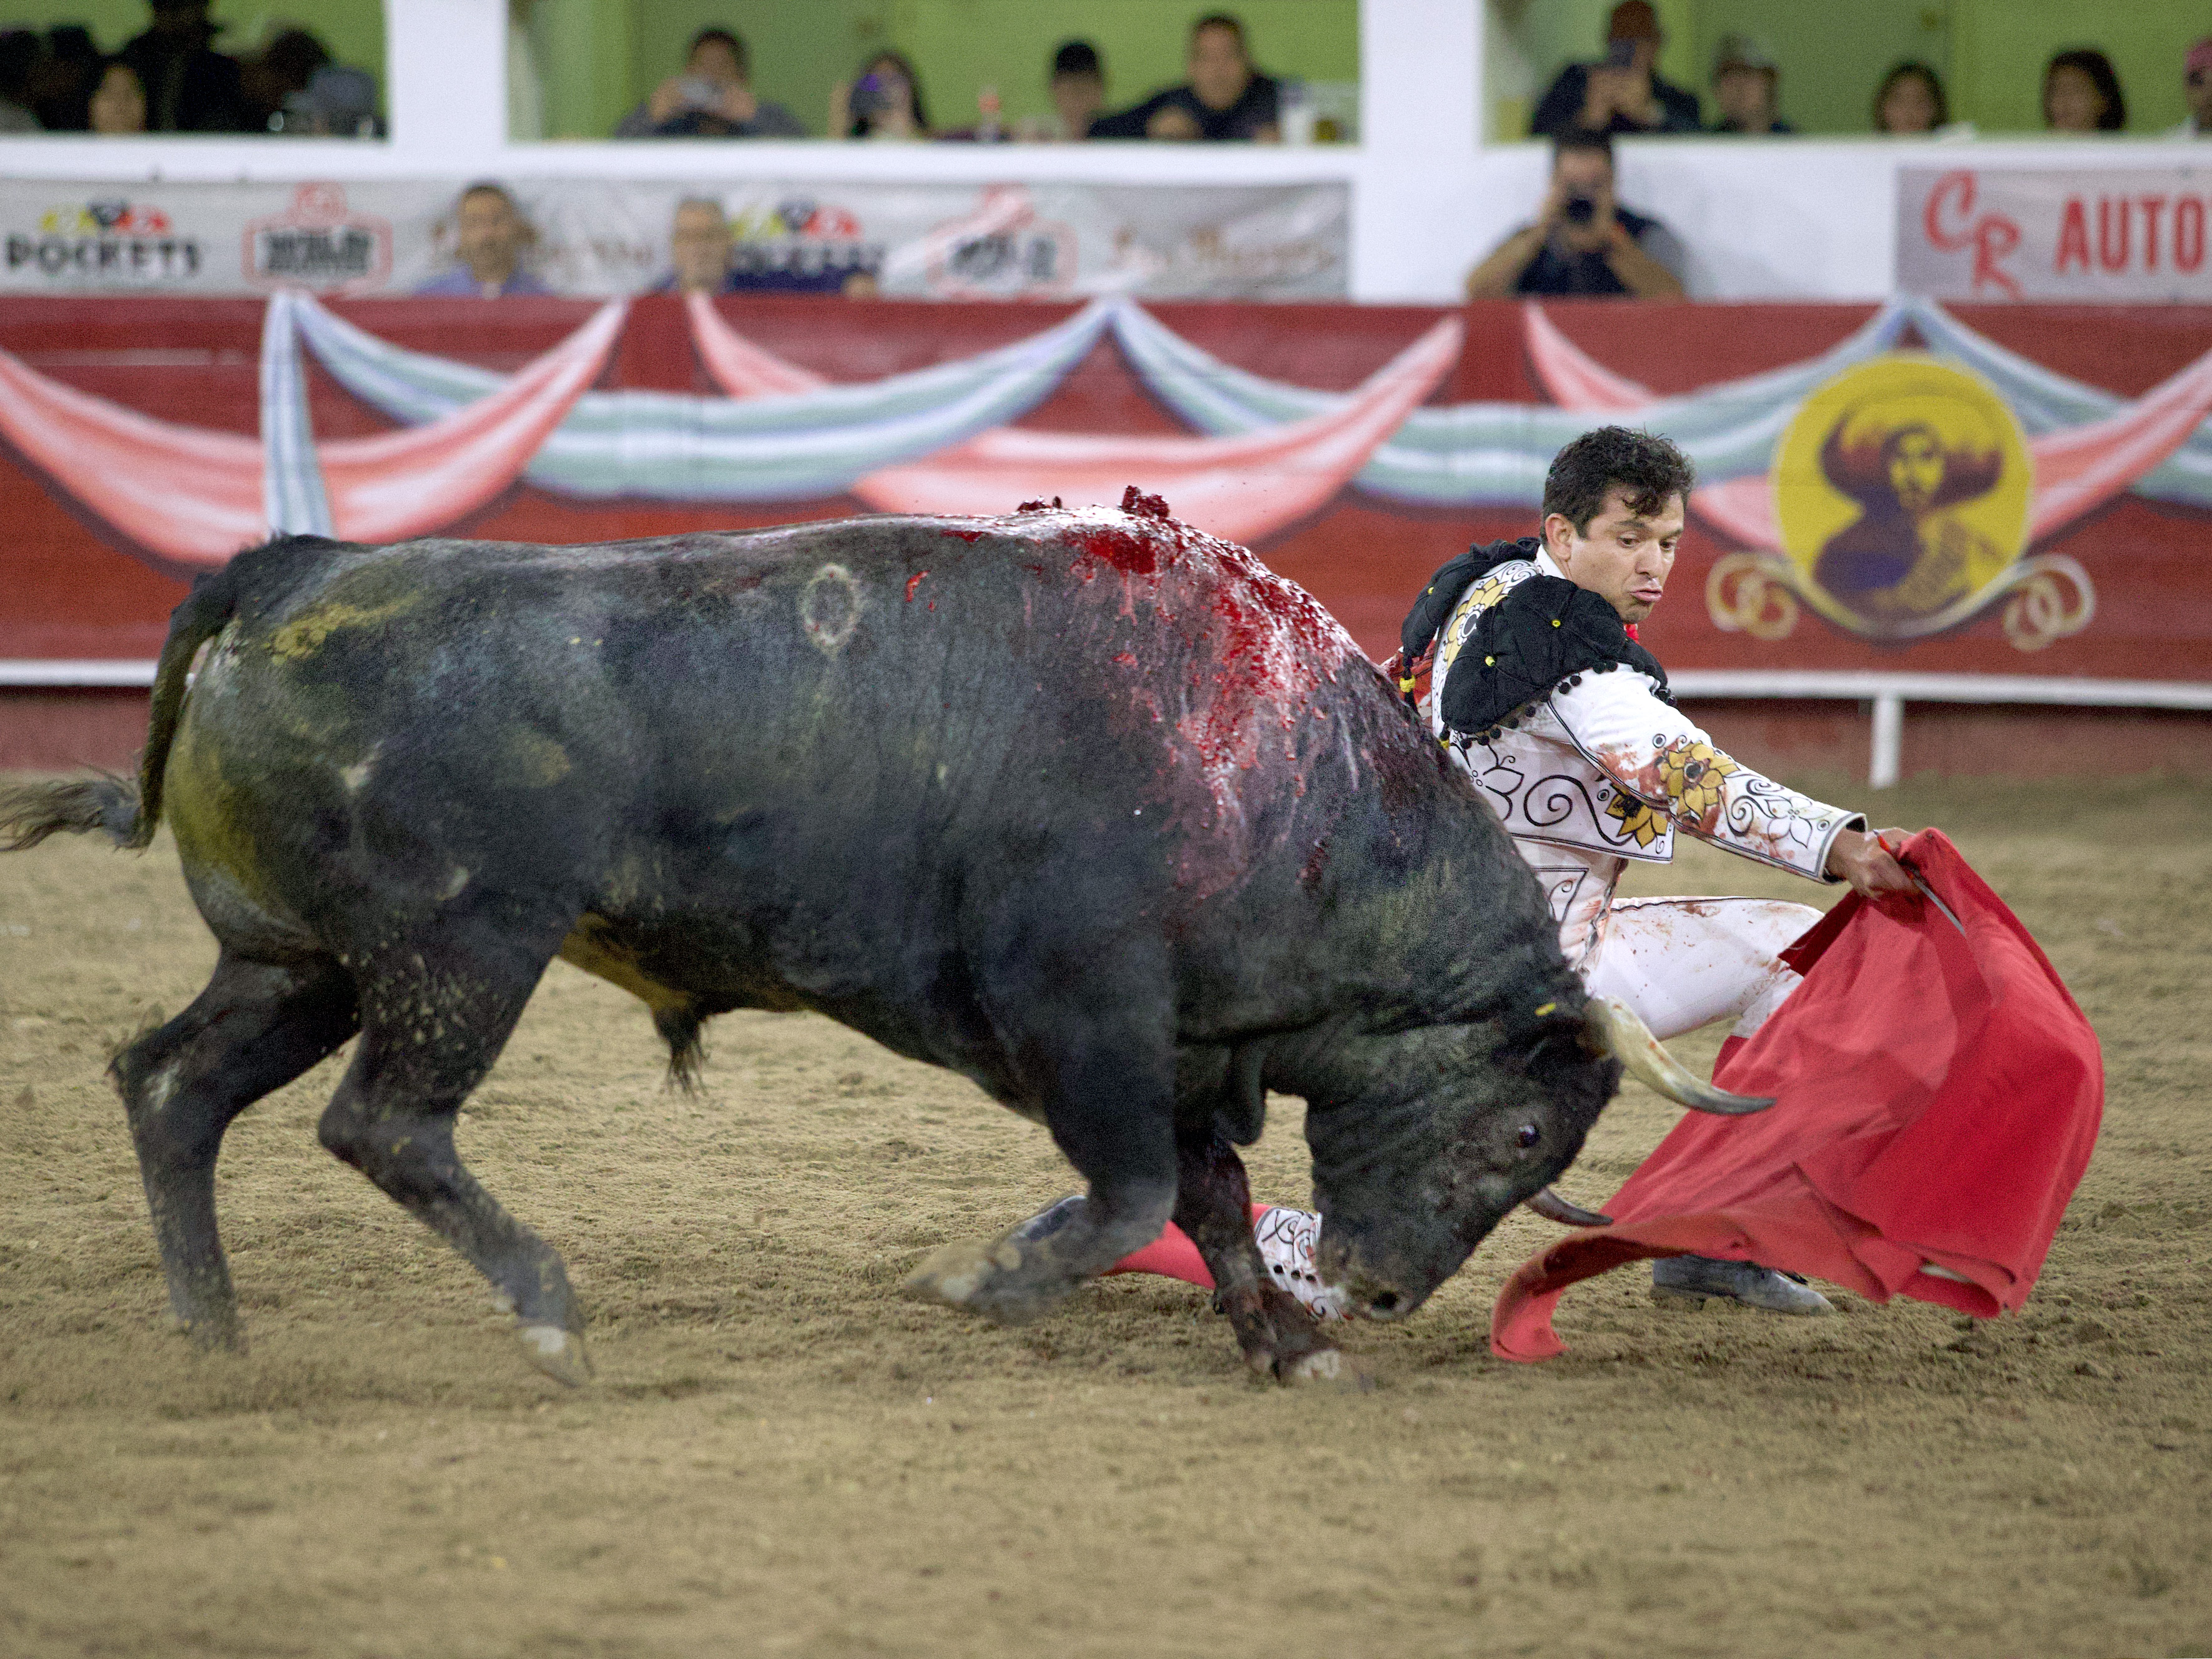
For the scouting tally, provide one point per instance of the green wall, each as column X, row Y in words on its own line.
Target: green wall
column 1832, row 53
column 603, row 55
column 353, row 30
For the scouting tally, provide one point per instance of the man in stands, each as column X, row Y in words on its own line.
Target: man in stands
column 711, row 97
column 2197, row 86
column 490, row 234
column 1584, row 242
column 1543, row 694
column 190, row 86
column 1078, row 93
column 1747, row 88
column 698, row 249
column 1225, row 100
column 1623, row 94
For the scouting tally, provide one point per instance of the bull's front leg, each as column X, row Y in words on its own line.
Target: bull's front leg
column 1101, row 1060
column 1213, row 1205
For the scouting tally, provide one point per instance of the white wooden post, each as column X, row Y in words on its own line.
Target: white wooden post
column 1887, row 761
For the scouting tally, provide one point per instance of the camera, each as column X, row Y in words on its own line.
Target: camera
column 1579, row 210
column 699, row 93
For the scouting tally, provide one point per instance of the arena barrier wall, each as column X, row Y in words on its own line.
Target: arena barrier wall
column 1898, row 504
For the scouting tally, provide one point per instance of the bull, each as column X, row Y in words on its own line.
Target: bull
column 1086, row 805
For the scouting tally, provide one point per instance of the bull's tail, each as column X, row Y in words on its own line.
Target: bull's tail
column 125, row 810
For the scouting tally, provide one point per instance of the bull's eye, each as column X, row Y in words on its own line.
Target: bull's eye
column 1529, row 1135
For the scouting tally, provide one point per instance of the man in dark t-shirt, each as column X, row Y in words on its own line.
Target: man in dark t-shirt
column 1623, row 94
column 1225, row 100
column 1583, row 241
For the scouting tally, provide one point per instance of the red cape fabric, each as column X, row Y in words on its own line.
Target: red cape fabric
column 1937, row 1098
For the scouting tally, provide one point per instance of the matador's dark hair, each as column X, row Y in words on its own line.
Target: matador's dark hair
column 1645, row 467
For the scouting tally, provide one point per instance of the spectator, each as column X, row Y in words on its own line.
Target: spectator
column 713, row 98
column 1078, row 93
column 2197, row 86
column 884, row 102
column 2081, row 94
column 1622, row 94
column 63, row 80
column 1746, row 87
column 337, row 102
column 1583, row 241
column 118, row 104
column 190, row 86
column 283, row 66
column 18, row 58
column 1911, row 100
column 698, row 249
column 489, row 236
column 1224, row 101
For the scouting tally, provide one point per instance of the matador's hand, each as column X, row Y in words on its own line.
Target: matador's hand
column 1859, row 857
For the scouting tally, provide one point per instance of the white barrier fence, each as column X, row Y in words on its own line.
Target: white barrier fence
column 1885, row 695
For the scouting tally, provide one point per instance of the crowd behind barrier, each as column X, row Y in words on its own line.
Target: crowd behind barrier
column 171, row 77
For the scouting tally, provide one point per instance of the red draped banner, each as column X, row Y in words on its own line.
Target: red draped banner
column 2012, row 489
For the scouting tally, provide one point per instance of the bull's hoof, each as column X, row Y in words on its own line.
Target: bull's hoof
column 558, row 1352
column 983, row 1276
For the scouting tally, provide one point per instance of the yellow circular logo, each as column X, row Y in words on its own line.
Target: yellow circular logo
column 1902, row 492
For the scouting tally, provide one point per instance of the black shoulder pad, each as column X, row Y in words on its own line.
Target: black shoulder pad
column 1545, row 629
column 1434, row 607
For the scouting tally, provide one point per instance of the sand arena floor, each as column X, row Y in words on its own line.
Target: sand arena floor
column 782, row 1455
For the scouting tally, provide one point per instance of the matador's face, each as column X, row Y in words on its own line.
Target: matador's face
column 1622, row 556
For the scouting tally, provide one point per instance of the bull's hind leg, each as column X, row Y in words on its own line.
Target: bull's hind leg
column 256, row 1027
column 1213, row 1205
column 436, row 1009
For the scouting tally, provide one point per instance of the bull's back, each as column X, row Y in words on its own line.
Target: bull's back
column 825, row 743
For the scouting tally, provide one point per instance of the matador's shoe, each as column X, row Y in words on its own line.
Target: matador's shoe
column 1693, row 1277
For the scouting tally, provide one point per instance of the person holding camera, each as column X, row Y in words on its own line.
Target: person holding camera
column 1623, row 92
column 713, row 98
column 1584, row 242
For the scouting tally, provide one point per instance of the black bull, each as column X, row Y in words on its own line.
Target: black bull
column 1088, row 807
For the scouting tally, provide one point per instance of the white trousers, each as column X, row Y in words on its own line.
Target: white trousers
column 1681, row 962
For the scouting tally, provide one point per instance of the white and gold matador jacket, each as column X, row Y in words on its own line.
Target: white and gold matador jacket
column 1602, row 771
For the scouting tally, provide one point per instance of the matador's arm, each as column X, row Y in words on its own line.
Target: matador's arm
column 1650, row 749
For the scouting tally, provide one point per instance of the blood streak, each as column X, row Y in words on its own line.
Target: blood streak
column 913, row 582
column 1264, row 646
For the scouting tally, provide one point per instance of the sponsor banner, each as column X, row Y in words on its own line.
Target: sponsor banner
column 2016, row 490
column 2110, row 234
column 600, row 240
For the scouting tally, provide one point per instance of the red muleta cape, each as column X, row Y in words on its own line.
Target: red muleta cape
column 1937, row 1098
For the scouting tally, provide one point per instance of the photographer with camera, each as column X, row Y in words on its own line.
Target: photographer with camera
column 713, row 98
column 1583, row 242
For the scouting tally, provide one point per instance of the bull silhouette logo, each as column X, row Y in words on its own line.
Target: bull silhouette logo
column 1902, row 494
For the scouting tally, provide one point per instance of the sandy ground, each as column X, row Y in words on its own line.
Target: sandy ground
column 782, row 1455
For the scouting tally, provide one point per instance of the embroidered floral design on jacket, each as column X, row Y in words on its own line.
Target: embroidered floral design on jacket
column 1644, row 823
column 1690, row 774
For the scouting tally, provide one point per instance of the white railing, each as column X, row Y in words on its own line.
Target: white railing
column 1887, row 693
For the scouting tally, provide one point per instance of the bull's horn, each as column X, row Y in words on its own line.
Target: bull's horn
column 1549, row 1205
column 1629, row 1041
